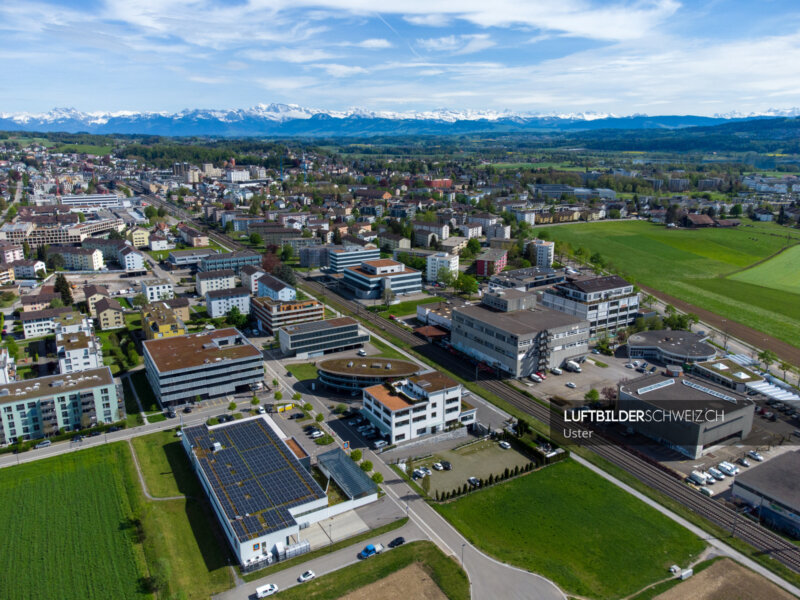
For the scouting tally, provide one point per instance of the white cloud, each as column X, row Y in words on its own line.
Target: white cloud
column 434, row 20
column 374, row 44
column 291, row 55
column 208, row 80
column 336, row 70
column 461, row 44
column 286, row 84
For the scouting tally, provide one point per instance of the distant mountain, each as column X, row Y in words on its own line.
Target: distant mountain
column 294, row 120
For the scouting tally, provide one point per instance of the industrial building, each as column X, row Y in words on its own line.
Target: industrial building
column 201, row 365
column 351, row 375
column 306, row 340
column 518, row 341
column 773, row 489
column 726, row 373
column 670, row 347
column 697, row 414
column 526, row 279
column 608, row 303
column 419, row 405
column 181, row 259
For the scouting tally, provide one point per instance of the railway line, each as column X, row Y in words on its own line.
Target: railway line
column 764, row 540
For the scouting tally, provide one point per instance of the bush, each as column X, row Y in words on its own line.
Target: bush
column 278, row 395
column 356, row 455
column 366, row 466
column 297, row 397
column 255, row 401
column 307, row 407
column 378, row 478
column 340, row 409
column 320, row 418
column 324, row 440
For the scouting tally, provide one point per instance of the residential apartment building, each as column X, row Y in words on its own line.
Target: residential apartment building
column 157, row 289
column 441, row 260
column 498, row 230
column 140, row 238
column 374, row 277
column 393, row 241
column 181, row 259
column 206, row 281
column 109, row 248
column 191, row 236
column 271, row 287
column 110, row 314
column 132, row 260
column 491, row 261
column 518, row 342
column 417, row 406
column 38, row 323
column 79, row 259
column 608, row 303
column 541, row 253
column 250, row 276
column 205, row 365
column 10, row 253
column 92, row 295
column 427, row 234
column 306, row 340
column 230, row 260
column 6, row 274
column 270, row 315
column 77, row 352
column 220, row 302
column 28, row 269
column 59, row 402
column 340, row 259
column 8, row 370
column 160, row 321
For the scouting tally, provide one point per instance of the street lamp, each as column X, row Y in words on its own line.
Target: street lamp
column 462, row 554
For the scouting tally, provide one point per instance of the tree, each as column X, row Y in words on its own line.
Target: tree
column 692, row 319
column 388, row 295
column 286, row 274
column 26, row 249
column 466, row 284
column 670, row 310
column 287, row 253
column 366, row 466
column 649, row 300
column 62, row 287
column 270, row 261
column 139, row 300
column 150, row 212
column 446, row 277
column 235, row 318
column 783, row 365
column 592, row 395
column 767, row 357
column 339, row 410
column 232, row 406
column 255, row 239
column 13, row 348
column 609, row 393
column 255, row 401
column 55, row 261
column 278, row 395
column 307, row 407
column 319, row 418
column 377, row 478
column 473, row 246
column 56, row 303
column 356, row 455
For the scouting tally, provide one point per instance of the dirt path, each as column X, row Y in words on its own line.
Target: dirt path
column 747, row 334
column 144, row 485
column 409, row 582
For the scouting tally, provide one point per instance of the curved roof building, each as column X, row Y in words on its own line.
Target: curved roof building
column 354, row 374
column 670, row 347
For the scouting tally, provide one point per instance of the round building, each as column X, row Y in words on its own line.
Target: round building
column 670, row 347
column 354, row 374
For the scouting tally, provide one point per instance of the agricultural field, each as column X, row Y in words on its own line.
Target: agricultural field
column 706, row 267
column 66, row 528
column 574, row 527
column 83, row 149
column 778, row 273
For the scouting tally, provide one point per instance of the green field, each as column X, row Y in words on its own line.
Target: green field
column 778, row 273
column 302, row 371
column 574, row 527
column 402, row 309
column 83, row 149
column 694, row 265
column 65, row 524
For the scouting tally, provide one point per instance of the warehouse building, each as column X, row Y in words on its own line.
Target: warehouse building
column 271, row 315
column 351, row 375
column 726, row 373
column 205, row 365
column 518, row 342
column 698, row 413
column 670, row 347
column 41, row 407
column 773, row 489
column 306, row 340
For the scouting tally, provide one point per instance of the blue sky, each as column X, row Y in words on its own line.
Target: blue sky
column 565, row 56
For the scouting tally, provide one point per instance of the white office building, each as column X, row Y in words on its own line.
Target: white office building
column 351, row 256
column 373, row 277
column 438, row 261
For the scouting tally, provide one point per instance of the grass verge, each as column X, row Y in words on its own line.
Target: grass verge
column 164, row 465
column 142, row 387
column 303, row 371
column 445, row 571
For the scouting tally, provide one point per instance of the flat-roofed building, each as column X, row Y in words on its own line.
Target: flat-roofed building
column 206, row 365
column 79, row 259
column 373, row 277
column 271, row 315
column 306, row 340
column 220, row 302
column 48, row 404
column 77, row 352
column 608, row 303
column 10, row 253
column 491, row 261
column 140, row 238
column 773, row 489
column 441, row 260
column 698, row 414
column 38, row 323
column 341, row 258
column 188, row 258
column 354, row 374
column 230, row 260
column 206, row 281
column 526, row 279
column 453, row 244
column 541, row 253
column 440, row 314
column 417, row 406
column 668, row 346
column 521, row 342
column 726, row 373
column 157, row 289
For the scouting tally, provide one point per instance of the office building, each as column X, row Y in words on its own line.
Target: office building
column 230, row 260
column 341, row 258
column 608, row 303
column 206, row 281
column 441, row 260
column 726, row 373
column 58, row 403
column 374, row 278
column 306, row 340
column 417, row 406
column 440, row 314
column 93, row 200
column 713, row 414
column 520, row 342
column 670, row 347
column 270, row 315
column 351, row 375
column 157, row 289
column 77, row 352
column 526, row 279
column 273, row 288
column 205, row 365
column 220, row 302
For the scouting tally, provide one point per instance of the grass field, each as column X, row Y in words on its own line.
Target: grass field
column 695, row 265
column 387, row 351
column 302, row 371
column 146, row 396
column 164, row 464
column 575, row 528
column 778, row 273
column 65, row 525
column 402, row 309
column 83, row 149
column 444, row 571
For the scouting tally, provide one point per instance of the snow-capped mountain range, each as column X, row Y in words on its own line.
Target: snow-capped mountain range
column 292, row 119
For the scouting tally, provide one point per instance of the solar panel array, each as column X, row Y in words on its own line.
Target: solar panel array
column 255, row 477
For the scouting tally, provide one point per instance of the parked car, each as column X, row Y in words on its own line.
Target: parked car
column 438, row 466
column 43, row 444
column 706, row 491
column 541, row 374
column 261, row 410
column 317, row 434
column 187, row 409
column 716, row 473
column 307, row 576
column 535, row 378
column 113, row 428
column 744, row 462
column 629, row 365
column 370, row 550
column 171, row 414
column 571, row 385
column 417, row 474
column 505, row 445
column 474, row 481
column 653, row 369
column 447, row 466
column 426, row 470
column 95, row 433
column 556, row 371
column 398, row 541
column 77, row 438
column 595, row 351
column 756, row 456
column 362, row 352
column 380, row 444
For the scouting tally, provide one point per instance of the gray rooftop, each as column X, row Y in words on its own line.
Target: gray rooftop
column 678, row 342
column 520, row 322
column 216, row 274
column 597, row 284
column 776, row 478
column 237, row 291
column 347, row 474
column 319, row 325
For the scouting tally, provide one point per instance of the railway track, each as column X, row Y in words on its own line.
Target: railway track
column 764, row 540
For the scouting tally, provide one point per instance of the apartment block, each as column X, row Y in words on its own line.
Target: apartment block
column 109, row 314
column 441, row 260
column 230, row 260
column 77, row 352
column 541, row 253
column 271, row 287
column 160, row 321
column 157, row 289
column 79, row 259
column 206, row 281
column 220, row 302
column 38, row 323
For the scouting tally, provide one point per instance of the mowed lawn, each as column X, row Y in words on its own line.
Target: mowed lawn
column 409, row 307
column 694, row 265
column 64, row 523
column 780, row 273
column 574, row 527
